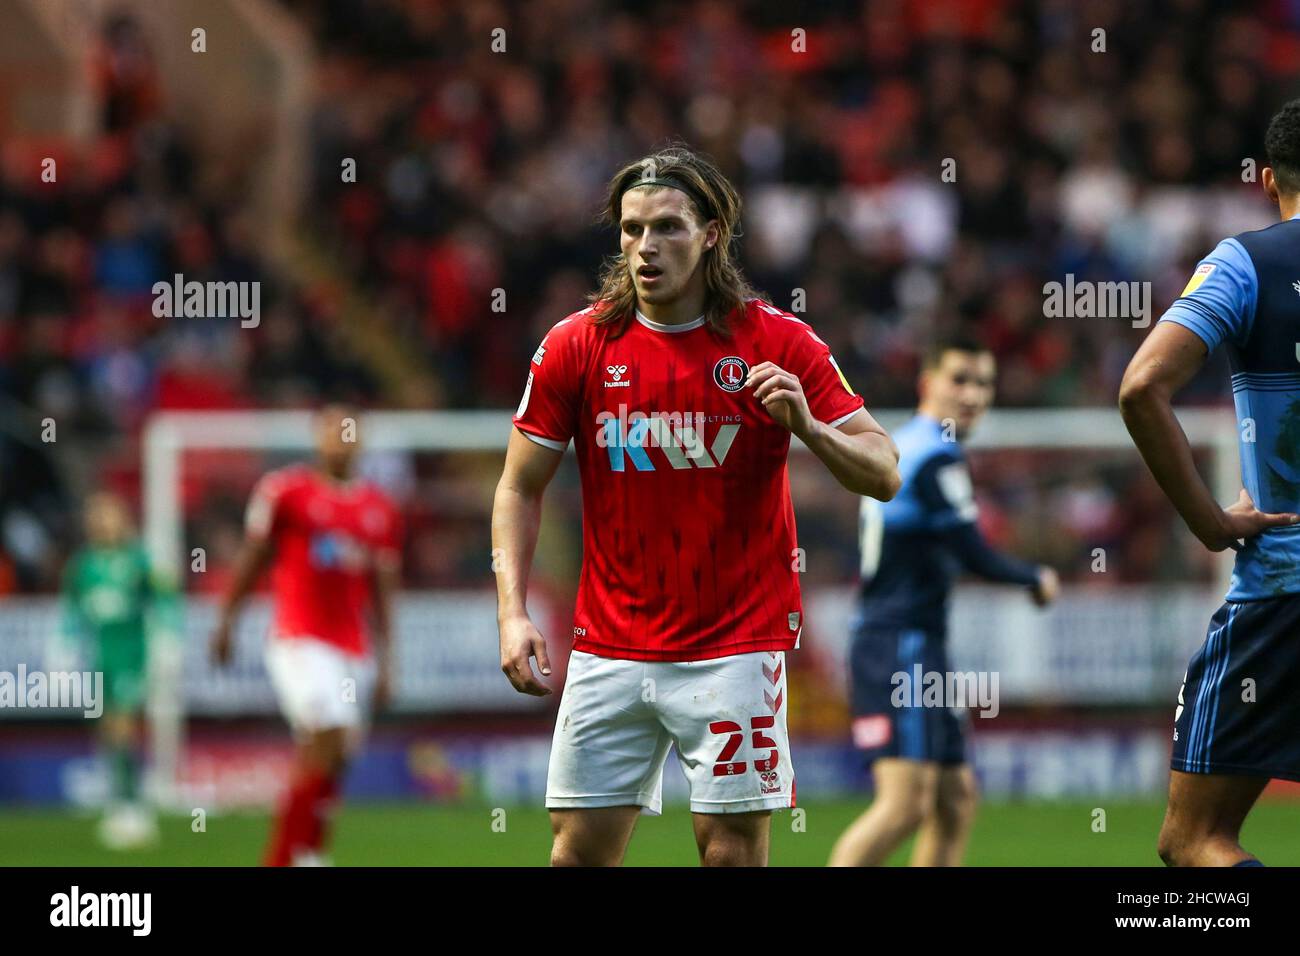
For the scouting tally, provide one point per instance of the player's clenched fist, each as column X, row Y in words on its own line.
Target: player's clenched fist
column 782, row 395
column 520, row 640
column 1046, row 588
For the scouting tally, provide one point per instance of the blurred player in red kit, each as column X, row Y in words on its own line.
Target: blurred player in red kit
column 680, row 389
column 332, row 542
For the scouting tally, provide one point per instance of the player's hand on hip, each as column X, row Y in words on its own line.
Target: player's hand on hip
column 1243, row 520
column 520, row 640
column 1047, row 588
column 782, row 395
column 221, row 644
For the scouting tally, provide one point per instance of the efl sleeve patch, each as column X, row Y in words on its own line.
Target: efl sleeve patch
column 1200, row 275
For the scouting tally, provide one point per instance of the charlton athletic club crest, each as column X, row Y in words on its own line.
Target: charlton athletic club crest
column 730, row 373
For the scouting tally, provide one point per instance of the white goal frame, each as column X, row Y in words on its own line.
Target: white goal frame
column 168, row 435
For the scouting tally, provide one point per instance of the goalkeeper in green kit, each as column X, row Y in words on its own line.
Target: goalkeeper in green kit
column 112, row 599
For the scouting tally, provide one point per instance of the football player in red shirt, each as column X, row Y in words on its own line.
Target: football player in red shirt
column 333, row 545
column 680, row 389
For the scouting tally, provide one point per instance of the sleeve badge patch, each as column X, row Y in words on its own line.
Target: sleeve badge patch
column 1200, row 275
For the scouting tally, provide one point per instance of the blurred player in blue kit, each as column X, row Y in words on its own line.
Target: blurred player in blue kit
column 913, row 548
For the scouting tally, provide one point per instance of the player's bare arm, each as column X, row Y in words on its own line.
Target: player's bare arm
column 387, row 577
column 1167, row 360
column 254, row 558
column 859, row 453
column 516, row 515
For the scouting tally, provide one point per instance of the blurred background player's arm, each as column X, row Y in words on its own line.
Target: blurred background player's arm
column 516, row 515
column 254, row 557
column 69, row 643
column 1212, row 309
column 981, row 559
column 387, row 579
column 944, row 483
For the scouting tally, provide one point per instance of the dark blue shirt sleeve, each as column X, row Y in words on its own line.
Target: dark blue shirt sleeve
column 944, row 491
column 979, row 558
column 944, row 487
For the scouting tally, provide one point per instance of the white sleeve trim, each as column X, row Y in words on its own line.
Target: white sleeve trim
column 547, row 442
column 844, row 418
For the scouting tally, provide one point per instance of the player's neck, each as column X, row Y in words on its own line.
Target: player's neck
column 334, row 477
column 686, row 308
column 1288, row 206
column 925, row 411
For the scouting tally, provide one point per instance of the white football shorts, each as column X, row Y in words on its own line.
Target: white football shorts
column 617, row 719
column 320, row 687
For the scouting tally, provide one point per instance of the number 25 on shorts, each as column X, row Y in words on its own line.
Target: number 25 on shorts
column 724, row 766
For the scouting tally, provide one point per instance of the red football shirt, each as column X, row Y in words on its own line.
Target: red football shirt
column 688, row 529
column 328, row 538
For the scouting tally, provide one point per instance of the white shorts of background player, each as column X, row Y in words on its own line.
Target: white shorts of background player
column 320, row 687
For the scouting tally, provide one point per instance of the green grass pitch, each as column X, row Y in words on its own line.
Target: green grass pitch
column 407, row 834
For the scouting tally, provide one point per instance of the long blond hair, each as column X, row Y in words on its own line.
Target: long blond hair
column 712, row 197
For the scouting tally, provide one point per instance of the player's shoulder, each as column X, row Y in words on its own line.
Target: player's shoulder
column 373, row 493
column 574, row 328
column 1287, row 229
column 1228, row 267
column 569, row 340
column 769, row 321
column 1239, row 252
column 923, row 442
column 280, row 481
column 1248, row 252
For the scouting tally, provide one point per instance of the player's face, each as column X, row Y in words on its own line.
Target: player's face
column 662, row 242
column 337, row 432
column 107, row 523
column 960, row 387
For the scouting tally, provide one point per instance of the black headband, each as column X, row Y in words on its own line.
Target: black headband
column 672, row 182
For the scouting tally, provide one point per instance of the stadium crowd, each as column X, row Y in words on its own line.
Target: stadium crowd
column 908, row 166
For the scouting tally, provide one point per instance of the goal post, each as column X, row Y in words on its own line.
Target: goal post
column 169, row 436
